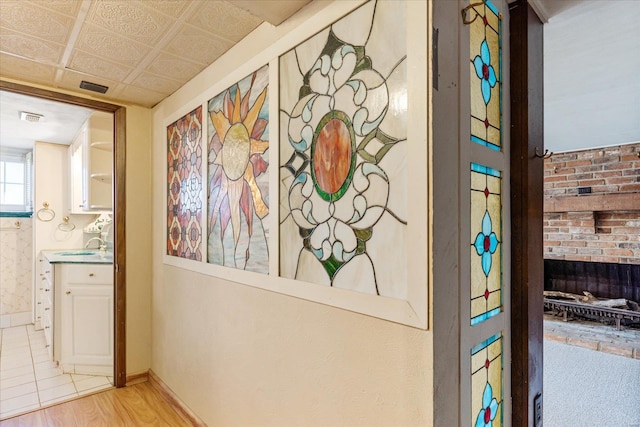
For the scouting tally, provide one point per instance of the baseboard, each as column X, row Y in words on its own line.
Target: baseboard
column 139, row 377
column 171, row 397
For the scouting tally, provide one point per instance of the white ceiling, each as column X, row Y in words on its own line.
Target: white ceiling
column 143, row 50
column 59, row 124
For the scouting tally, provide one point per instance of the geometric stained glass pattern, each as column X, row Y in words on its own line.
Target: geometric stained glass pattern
column 486, row 247
column 486, row 383
column 238, row 197
column 343, row 100
column 486, row 81
column 184, row 186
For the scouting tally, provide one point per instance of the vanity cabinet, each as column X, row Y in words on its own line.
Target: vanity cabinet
column 91, row 166
column 86, row 319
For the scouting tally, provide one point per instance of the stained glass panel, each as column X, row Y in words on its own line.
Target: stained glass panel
column 486, row 383
column 485, row 42
column 343, row 154
column 238, row 199
column 184, row 186
column 486, row 247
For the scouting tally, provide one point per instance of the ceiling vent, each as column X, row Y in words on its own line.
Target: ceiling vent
column 95, row 87
column 30, row 117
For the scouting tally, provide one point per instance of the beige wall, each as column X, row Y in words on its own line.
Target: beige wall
column 238, row 355
column 138, row 229
column 138, row 237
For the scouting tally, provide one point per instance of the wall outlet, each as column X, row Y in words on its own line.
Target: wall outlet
column 537, row 410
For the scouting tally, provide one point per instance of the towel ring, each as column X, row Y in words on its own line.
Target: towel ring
column 66, row 226
column 45, row 214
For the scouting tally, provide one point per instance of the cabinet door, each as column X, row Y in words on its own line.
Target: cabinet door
column 77, row 173
column 87, row 324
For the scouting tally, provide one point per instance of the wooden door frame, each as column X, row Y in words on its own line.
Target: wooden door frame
column 119, row 112
column 527, row 265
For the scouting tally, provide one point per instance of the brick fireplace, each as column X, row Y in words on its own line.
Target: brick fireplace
column 592, row 221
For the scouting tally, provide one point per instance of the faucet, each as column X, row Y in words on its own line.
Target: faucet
column 103, row 244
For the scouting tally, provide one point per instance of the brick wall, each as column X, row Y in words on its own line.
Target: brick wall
column 601, row 235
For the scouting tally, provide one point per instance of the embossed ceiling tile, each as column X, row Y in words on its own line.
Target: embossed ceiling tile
column 144, row 97
column 91, row 64
column 108, row 45
column 29, row 18
column 71, row 80
column 26, row 70
column 130, row 19
column 197, row 45
column 168, row 7
column 29, row 47
column 174, row 67
column 68, row 7
column 156, row 83
column 224, row 20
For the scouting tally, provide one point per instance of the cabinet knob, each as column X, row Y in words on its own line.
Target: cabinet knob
column 68, row 292
column 47, row 290
column 47, row 346
column 90, row 274
column 47, row 308
column 47, row 327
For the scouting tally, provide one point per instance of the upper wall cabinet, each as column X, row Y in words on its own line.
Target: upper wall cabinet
column 91, row 161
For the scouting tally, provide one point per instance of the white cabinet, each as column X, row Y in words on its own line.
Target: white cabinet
column 86, row 318
column 91, row 165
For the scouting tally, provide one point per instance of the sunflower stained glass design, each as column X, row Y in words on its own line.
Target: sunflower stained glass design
column 238, row 197
column 486, row 383
column 343, row 109
column 486, row 249
column 184, row 186
column 486, row 83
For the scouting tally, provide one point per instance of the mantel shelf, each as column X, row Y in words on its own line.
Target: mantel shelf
column 593, row 203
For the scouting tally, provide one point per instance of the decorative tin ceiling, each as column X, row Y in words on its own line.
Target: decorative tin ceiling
column 143, row 50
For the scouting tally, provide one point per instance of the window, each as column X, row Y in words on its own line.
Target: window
column 15, row 182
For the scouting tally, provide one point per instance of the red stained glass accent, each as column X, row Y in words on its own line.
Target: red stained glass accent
column 486, row 192
column 486, row 294
column 484, row 19
column 487, row 243
column 487, row 363
column 485, row 72
column 486, row 123
column 332, row 157
column 487, row 415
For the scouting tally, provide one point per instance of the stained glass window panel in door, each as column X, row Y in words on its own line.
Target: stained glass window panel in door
column 486, row 247
column 486, row 383
column 184, row 186
column 485, row 43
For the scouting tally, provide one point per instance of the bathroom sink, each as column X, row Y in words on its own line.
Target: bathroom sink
column 78, row 253
column 79, row 256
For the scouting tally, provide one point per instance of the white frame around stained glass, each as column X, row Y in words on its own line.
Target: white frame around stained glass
column 410, row 310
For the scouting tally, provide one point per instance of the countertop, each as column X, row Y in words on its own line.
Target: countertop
column 78, row 256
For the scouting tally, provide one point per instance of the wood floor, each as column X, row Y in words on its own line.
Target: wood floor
column 136, row 405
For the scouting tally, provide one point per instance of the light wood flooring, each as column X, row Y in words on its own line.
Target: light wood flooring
column 136, row 405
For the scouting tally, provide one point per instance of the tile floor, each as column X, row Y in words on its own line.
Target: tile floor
column 29, row 379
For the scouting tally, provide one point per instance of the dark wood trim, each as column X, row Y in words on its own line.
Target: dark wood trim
column 119, row 208
column 171, row 397
column 527, row 267
column 120, row 296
